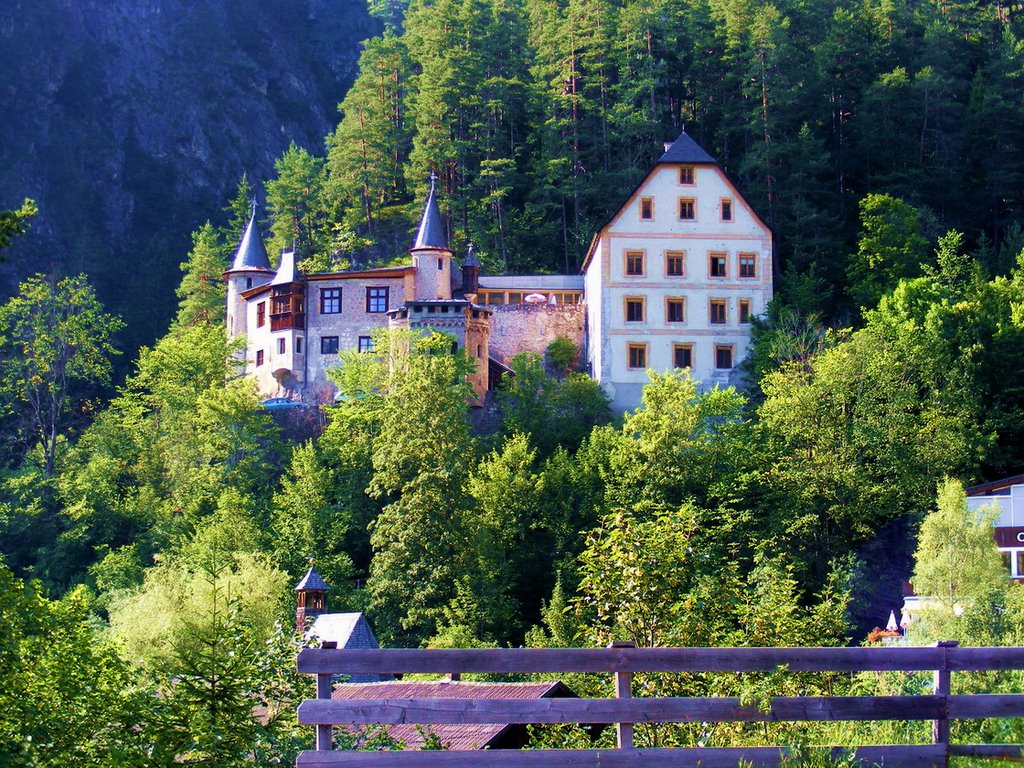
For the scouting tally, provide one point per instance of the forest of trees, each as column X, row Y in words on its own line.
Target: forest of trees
column 151, row 528
column 540, row 117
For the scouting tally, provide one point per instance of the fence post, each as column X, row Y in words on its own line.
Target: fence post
column 623, row 690
column 324, row 689
column 941, row 687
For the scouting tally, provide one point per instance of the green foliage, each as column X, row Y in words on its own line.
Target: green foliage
column 890, row 248
column 294, row 198
column 65, row 696
column 561, row 355
column 55, row 343
column 15, row 222
column 202, row 290
column 956, row 563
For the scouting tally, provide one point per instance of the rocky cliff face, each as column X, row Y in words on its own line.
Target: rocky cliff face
column 131, row 121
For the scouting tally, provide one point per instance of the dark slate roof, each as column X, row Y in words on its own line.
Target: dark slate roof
column 251, row 255
column 431, row 233
column 455, row 737
column 312, row 580
column 285, row 270
column 471, row 260
column 685, row 150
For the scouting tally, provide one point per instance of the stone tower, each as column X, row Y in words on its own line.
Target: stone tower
column 430, row 253
column 250, row 269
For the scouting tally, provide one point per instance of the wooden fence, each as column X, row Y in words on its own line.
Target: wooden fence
column 622, row 661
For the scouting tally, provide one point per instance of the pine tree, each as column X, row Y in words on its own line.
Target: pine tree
column 202, row 290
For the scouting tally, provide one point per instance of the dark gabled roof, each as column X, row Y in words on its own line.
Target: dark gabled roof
column 456, row 738
column 995, row 486
column 312, row 580
column 251, row 255
column 685, row 150
column 431, row 232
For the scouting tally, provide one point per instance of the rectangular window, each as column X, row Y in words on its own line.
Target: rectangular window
column 261, row 314
column 744, row 310
column 748, row 265
column 298, row 345
column 686, row 175
column 675, row 263
column 515, row 297
column 687, row 209
column 328, row 345
column 675, row 310
column 718, row 265
column 330, row 301
column 682, row 355
column 717, row 311
column 635, row 263
column 259, row 357
column 366, row 344
column 634, row 309
column 281, row 346
column 726, row 209
column 637, row 355
column 723, row 356
column 495, row 297
column 646, row 208
column 376, row 300
column 440, row 265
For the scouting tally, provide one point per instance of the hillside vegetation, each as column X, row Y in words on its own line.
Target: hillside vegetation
column 151, row 529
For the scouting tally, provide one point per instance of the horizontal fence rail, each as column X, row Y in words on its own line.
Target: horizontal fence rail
column 624, row 711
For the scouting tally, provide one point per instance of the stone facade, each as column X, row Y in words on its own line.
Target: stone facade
column 531, row 327
column 671, row 281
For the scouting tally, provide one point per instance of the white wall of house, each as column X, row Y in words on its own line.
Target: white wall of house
column 630, row 266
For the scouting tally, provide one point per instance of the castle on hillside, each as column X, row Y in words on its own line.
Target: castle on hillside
column 672, row 280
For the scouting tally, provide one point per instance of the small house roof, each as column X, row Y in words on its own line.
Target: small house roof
column 471, row 260
column 685, row 150
column 454, row 737
column 348, row 630
column 312, row 581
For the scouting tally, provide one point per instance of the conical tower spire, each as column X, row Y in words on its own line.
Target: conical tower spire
column 251, row 254
column 431, row 232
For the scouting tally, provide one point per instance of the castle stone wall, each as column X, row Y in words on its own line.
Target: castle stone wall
column 531, row 327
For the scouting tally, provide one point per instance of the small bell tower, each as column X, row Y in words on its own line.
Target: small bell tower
column 311, row 599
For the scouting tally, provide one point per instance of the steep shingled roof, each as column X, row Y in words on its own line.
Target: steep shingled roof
column 685, row 150
column 431, row 232
column 454, row 737
column 312, row 580
column 251, row 255
column 286, row 272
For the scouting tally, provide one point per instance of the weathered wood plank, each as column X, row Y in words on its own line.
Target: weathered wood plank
column 979, row 705
column 667, row 710
column 981, row 659
column 1012, row 752
column 917, row 756
column 560, row 660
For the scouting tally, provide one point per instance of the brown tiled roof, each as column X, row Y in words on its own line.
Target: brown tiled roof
column 452, row 737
